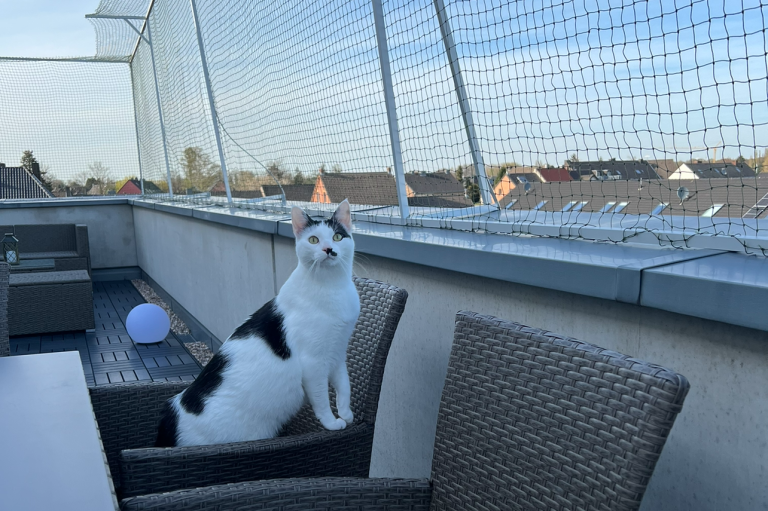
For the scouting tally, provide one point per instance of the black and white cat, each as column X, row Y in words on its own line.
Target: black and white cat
column 290, row 348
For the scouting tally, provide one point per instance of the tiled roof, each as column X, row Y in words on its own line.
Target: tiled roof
column 292, row 192
column 373, row 188
column 17, row 183
column 149, row 186
column 434, row 183
column 613, row 169
column 558, row 174
column 663, row 167
column 737, row 196
column 715, row 170
column 457, row 200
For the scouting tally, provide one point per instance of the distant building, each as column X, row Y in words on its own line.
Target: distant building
column 712, row 170
column 302, row 193
column 664, row 168
column 133, row 187
column 370, row 188
column 17, row 183
column 706, row 198
column 552, row 174
column 435, row 189
column 611, row 170
column 219, row 190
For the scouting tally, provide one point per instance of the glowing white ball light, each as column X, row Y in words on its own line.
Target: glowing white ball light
column 147, row 323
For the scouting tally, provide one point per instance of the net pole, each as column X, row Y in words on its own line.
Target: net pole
column 136, row 126
column 466, row 111
column 211, row 102
column 160, row 110
column 389, row 102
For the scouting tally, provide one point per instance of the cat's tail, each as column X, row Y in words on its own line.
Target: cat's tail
column 167, row 431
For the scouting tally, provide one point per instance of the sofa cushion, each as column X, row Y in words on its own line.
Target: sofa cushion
column 48, row 277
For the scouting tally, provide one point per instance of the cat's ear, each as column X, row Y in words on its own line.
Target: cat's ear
column 343, row 215
column 300, row 220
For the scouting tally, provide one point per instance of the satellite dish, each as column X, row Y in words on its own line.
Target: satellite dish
column 147, row 323
column 682, row 193
column 527, row 188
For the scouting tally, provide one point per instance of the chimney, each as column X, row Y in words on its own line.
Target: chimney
column 2, row 165
column 321, row 170
column 389, row 170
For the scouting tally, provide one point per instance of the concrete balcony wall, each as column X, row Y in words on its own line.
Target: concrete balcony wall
column 110, row 227
column 715, row 456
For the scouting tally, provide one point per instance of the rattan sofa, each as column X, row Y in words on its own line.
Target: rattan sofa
column 57, row 298
column 128, row 417
column 5, row 349
column 528, row 420
column 66, row 244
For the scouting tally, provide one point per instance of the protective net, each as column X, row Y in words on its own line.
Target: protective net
column 607, row 120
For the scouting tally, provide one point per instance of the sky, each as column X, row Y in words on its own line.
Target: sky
column 46, row 28
column 545, row 79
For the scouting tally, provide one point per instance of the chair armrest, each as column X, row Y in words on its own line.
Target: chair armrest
column 345, row 453
column 292, row 494
column 83, row 245
column 128, row 415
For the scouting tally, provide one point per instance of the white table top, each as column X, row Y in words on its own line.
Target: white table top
column 50, row 452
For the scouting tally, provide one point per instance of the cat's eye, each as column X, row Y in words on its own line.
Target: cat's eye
column 337, row 237
column 314, row 240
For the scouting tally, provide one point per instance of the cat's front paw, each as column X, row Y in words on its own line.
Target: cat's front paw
column 334, row 424
column 347, row 415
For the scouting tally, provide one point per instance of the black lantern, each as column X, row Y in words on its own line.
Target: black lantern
column 11, row 248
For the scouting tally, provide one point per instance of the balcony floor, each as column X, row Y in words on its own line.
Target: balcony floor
column 108, row 353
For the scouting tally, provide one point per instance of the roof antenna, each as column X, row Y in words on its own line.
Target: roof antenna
column 641, row 184
column 682, row 194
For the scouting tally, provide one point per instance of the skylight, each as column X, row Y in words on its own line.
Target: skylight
column 607, row 207
column 621, row 207
column 712, row 211
column 569, row 206
column 579, row 206
column 540, row 205
column 658, row 209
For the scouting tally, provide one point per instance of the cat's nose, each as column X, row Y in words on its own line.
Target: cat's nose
column 329, row 251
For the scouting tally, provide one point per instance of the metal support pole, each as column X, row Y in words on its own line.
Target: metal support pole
column 136, row 30
column 160, row 111
column 136, row 124
column 466, row 113
column 211, row 103
column 389, row 102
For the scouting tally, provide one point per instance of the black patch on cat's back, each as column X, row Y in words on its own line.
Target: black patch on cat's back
column 169, row 425
column 210, row 378
column 266, row 323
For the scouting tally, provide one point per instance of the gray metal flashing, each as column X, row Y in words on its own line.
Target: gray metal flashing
column 731, row 288
column 174, row 209
column 242, row 219
column 61, row 202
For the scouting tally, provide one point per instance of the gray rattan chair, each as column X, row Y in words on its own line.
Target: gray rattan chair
column 528, row 420
column 5, row 349
column 128, row 417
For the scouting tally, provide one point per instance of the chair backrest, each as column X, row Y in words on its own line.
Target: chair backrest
column 5, row 348
column 530, row 419
column 381, row 306
column 44, row 237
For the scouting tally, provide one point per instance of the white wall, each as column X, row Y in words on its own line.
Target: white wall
column 110, row 229
column 714, row 458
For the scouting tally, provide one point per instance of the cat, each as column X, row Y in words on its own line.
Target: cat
column 287, row 351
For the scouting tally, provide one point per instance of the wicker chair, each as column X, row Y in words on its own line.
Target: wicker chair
column 528, row 420
column 128, row 416
column 5, row 348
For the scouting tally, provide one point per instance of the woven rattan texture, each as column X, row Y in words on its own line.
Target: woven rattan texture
column 50, row 307
column 533, row 420
column 128, row 415
column 4, row 343
column 305, row 448
column 328, row 494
